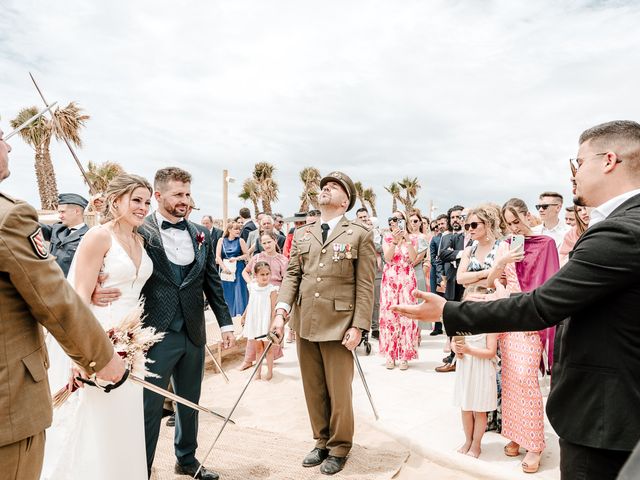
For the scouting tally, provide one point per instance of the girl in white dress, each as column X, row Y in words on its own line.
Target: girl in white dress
column 476, row 391
column 100, row 435
column 256, row 318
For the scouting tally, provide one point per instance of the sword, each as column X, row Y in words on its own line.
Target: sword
column 28, row 122
column 158, row 390
column 364, row 382
column 258, row 365
column 92, row 189
column 213, row 357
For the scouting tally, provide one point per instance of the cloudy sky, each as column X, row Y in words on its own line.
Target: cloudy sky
column 481, row 100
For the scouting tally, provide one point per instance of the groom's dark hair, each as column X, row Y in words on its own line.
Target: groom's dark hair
column 165, row 175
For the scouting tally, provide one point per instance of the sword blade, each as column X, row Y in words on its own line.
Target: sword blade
column 215, row 440
column 364, row 382
column 178, row 399
column 28, row 122
column 217, row 364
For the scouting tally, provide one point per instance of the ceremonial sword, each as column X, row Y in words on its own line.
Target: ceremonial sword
column 213, row 357
column 27, row 122
column 257, row 367
column 364, row 381
column 154, row 388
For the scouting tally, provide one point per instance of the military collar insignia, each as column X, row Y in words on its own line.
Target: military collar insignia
column 37, row 242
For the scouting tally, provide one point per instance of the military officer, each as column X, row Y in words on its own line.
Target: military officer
column 64, row 237
column 33, row 292
column 328, row 295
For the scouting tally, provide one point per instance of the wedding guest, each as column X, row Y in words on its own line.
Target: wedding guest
column 216, row 233
column 398, row 335
column 549, row 210
column 436, row 274
column 298, row 219
column 415, row 228
column 256, row 319
column 64, row 237
column 231, row 256
column 570, row 216
column 248, row 224
column 572, row 236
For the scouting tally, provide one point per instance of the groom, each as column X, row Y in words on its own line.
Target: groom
column 183, row 268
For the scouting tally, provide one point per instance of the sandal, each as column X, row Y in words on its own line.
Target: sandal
column 404, row 365
column 531, row 467
column 391, row 364
column 512, row 449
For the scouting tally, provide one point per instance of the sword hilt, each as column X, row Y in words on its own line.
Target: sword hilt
column 105, row 388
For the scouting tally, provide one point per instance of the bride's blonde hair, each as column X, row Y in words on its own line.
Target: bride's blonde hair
column 120, row 186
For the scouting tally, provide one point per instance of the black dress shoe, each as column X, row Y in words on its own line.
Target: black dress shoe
column 332, row 465
column 435, row 333
column 171, row 421
column 193, row 468
column 315, row 457
column 166, row 412
column 375, row 334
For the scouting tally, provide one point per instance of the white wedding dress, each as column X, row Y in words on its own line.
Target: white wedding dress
column 94, row 434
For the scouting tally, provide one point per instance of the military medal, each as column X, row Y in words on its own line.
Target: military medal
column 348, row 254
column 336, row 249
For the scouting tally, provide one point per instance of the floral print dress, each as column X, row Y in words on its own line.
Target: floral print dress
column 398, row 334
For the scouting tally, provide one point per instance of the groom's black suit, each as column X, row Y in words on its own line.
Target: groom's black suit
column 173, row 293
column 595, row 389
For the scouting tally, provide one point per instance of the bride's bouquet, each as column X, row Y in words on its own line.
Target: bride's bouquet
column 131, row 341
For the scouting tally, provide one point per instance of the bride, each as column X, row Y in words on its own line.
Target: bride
column 100, row 435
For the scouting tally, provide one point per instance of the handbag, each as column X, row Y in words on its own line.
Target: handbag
column 231, row 267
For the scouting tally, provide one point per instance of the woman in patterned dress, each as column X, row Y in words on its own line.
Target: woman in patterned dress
column 522, row 407
column 398, row 334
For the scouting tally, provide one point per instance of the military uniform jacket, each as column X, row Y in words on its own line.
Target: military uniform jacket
column 330, row 286
column 33, row 292
column 63, row 249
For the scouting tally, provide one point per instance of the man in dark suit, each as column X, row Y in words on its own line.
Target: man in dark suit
column 436, row 273
column 64, row 237
column 216, row 233
column 451, row 248
column 183, row 268
column 249, row 225
column 595, row 391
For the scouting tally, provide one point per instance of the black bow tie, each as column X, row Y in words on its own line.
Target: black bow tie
column 181, row 225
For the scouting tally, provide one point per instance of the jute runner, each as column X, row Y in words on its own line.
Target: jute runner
column 247, row 453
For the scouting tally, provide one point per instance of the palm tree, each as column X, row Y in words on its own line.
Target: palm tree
column 394, row 190
column 250, row 191
column 310, row 177
column 411, row 186
column 359, row 190
column 66, row 123
column 369, row 196
column 101, row 175
column 267, row 186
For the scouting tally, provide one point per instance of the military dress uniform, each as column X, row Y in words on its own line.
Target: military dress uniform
column 64, row 241
column 329, row 285
column 33, row 292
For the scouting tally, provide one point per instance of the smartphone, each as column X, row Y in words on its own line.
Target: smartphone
column 401, row 225
column 517, row 243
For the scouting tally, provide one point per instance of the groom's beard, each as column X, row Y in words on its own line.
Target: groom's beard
column 180, row 210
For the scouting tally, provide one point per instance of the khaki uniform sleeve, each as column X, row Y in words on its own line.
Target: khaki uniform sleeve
column 47, row 294
column 291, row 281
column 365, row 276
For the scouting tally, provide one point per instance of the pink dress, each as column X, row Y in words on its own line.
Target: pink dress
column 398, row 334
column 522, row 408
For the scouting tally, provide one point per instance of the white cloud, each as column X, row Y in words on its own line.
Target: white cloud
column 479, row 100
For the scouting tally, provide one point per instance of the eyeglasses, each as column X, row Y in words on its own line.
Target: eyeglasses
column 472, row 225
column 576, row 163
column 544, row 206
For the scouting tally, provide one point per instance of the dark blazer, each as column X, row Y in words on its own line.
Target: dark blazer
column 595, row 383
column 164, row 295
column 216, row 234
column 247, row 228
column 451, row 245
column 437, row 269
column 63, row 249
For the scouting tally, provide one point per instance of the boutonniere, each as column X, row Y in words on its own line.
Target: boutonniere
column 199, row 239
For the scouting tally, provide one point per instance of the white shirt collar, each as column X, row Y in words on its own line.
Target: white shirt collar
column 77, row 227
column 160, row 218
column 332, row 223
column 601, row 212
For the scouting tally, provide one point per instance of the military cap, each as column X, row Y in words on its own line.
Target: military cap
column 345, row 182
column 72, row 199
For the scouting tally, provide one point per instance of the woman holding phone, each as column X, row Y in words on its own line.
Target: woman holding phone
column 398, row 334
column 536, row 259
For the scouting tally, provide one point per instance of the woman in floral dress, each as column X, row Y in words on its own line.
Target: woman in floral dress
column 398, row 334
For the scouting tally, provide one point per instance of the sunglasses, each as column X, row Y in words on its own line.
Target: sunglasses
column 415, row 221
column 472, row 225
column 544, row 206
column 392, row 220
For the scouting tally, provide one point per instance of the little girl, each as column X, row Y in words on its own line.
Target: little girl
column 256, row 318
column 476, row 389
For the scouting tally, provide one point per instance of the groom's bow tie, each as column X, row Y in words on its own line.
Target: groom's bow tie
column 181, row 225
